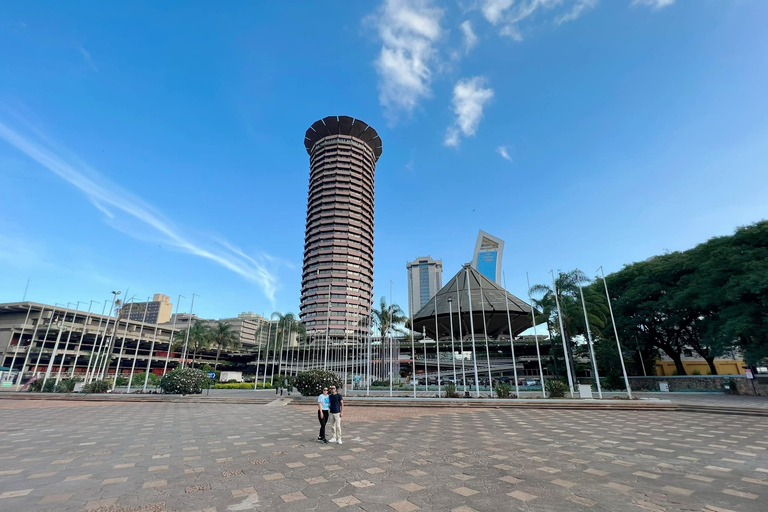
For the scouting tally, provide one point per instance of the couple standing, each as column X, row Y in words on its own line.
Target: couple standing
column 333, row 404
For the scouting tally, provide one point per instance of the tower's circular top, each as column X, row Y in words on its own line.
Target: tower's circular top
column 343, row 125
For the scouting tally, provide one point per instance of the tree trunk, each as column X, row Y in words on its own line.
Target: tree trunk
column 194, row 356
column 711, row 362
column 571, row 362
column 678, row 360
column 216, row 364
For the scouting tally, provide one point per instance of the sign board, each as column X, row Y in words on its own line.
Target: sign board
column 585, row 391
column 748, row 373
column 7, row 383
column 664, row 387
column 358, row 378
column 211, row 375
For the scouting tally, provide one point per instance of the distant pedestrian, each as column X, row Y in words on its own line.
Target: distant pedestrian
column 323, row 404
column 337, row 410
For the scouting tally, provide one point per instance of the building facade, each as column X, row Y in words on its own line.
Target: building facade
column 251, row 329
column 425, row 278
column 158, row 310
column 487, row 257
column 337, row 278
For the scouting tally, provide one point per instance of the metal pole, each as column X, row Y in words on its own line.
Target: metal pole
column 110, row 347
column 66, row 344
column 138, row 344
column 62, row 328
column 29, row 350
column 511, row 342
column 274, row 350
column 327, row 327
column 82, row 337
column 437, row 347
column 536, row 337
column 149, row 363
column 45, row 337
column 21, row 336
column 368, row 364
column 616, row 334
column 485, row 333
column 589, row 340
column 413, row 359
column 122, row 345
column 472, row 333
column 170, row 338
column 461, row 338
column 91, row 359
column 562, row 333
column 453, row 349
column 424, row 346
column 189, row 328
column 258, row 358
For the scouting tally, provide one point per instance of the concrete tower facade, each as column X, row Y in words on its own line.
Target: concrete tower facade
column 337, row 277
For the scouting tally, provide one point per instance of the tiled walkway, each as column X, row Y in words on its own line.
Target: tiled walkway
column 247, row 457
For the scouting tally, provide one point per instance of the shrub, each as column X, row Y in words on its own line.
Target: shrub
column 121, row 381
column 234, row 385
column 556, row 388
column 503, row 390
column 138, row 380
column 695, row 372
column 184, row 381
column 98, row 386
column 65, row 386
column 380, row 383
column 312, row 382
column 450, row 391
column 37, row 386
column 613, row 381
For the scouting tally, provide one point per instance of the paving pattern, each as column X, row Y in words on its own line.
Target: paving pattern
column 231, row 457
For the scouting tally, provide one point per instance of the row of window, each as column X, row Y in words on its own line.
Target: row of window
column 344, row 142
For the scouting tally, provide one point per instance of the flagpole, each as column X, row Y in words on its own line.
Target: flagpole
column 591, row 348
column 189, row 328
column 21, row 336
column 170, row 339
column 562, row 334
column 536, row 337
column 472, row 333
column 511, row 343
column 437, row 347
column 82, row 337
column 453, row 348
column 461, row 338
column 616, row 334
column 485, row 333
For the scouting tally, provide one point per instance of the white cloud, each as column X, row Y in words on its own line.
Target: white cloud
column 656, row 4
column 111, row 199
column 87, row 58
column 470, row 38
column 469, row 98
column 507, row 14
column 502, row 150
column 408, row 31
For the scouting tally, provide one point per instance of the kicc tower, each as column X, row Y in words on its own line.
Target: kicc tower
column 337, row 277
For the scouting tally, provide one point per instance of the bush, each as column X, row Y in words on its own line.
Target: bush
column 65, row 386
column 613, row 381
column 184, row 381
column 695, row 372
column 312, row 382
column 138, row 380
column 503, row 390
column 234, row 385
column 37, row 386
column 98, row 386
column 450, row 391
column 556, row 388
column 121, row 381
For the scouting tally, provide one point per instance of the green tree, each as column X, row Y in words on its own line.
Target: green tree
column 199, row 339
column 387, row 318
column 222, row 337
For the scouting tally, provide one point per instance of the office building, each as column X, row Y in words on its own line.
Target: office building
column 425, row 278
column 337, row 278
column 158, row 310
column 487, row 257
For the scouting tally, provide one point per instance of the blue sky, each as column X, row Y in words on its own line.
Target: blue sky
column 158, row 146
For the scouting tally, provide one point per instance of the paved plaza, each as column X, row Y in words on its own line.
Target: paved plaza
column 61, row 456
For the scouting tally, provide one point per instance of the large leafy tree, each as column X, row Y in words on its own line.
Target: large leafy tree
column 222, row 337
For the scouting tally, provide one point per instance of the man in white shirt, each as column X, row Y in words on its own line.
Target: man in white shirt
column 323, row 407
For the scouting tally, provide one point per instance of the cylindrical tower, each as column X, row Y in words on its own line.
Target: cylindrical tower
column 337, row 278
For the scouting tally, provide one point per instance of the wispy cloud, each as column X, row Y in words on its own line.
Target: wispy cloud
column 112, row 200
column 656, row 4
column 502, row 150
column 408, row 32
column 470, row 38
column 470, row 96
column 507, row 14
column 87, row 58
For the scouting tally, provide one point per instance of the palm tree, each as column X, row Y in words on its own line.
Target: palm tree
column 567, row 284
column 388, row 317
column 223, row 337
column 199, row 338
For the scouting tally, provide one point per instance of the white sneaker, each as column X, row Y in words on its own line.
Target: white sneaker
column 339, row 441
column 332, row 440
